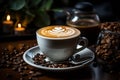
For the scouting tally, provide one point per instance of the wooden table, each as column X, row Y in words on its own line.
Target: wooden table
column 10, row 69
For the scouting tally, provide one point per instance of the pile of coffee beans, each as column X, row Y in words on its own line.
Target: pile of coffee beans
column 112, row 26
column 12, row 59
column 107, row 49
column 39, row 59
column 108, row 46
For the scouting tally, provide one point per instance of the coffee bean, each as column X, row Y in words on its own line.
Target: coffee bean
column 7, row 65
column 36, row 74
column 5, row 49
column 15, row 68
column 25, row 67
column 20, row 69
column 11, row 59
column 64, row 66
column 21, row 78
column 27, row 46
column 29, row 78
column 20, row 64
column 23, row 73
column 31, row 72
column 15, row 51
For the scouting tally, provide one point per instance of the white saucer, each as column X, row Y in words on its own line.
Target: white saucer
column 30, row 53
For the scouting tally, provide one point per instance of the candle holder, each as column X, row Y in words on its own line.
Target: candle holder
column 8, row 25
column 19, row 30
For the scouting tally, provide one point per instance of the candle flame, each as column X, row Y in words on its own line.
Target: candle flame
column 19, row 25
column 8, row 18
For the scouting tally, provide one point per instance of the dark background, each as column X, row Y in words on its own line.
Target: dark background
column 108, row 11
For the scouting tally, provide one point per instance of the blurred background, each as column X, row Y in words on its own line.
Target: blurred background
column 34, row 14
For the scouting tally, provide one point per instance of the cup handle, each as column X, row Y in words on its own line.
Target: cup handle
column 76, row 58
column 82, row 41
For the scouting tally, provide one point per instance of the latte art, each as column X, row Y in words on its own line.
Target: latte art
column 58, row 32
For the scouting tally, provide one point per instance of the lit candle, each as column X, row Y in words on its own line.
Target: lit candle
column 19, row 29
column 8, row 21
column 8, row 25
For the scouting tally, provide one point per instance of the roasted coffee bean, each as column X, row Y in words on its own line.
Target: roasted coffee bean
column 15, row 51
column 23, row 73
column 15, row 68
column 19, row 69
column 5, row 49
column 25, row 67
column 36, row 74
column 31, row 72
column 21, row 78
column 21, row 65
column 30, row 78
column 11, row 59
column 27, row 46
column 2, row 53
column 7, row 65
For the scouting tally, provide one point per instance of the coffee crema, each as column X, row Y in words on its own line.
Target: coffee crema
column 58, row 32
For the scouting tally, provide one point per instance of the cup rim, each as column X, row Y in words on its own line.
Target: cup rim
column 57, row 38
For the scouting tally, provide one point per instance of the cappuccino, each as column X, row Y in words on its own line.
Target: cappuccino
column 58, row 32
column 58, row 42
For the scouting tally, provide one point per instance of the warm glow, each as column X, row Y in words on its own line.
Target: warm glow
column 8, row 18
column 19, row 25
column 19, row 29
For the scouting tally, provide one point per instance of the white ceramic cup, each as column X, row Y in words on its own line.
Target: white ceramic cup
column 58, row 42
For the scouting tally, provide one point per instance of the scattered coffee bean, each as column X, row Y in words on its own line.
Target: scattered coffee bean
column 25, row 67
column 36, row 74
column 39, row 59
column 19, row 69
column 15, row 68
column 7, row 65
column 5, row 49
column 29, row 78
column 23, row 73
column 21, row 79
column 13, row 60
column 31, row 72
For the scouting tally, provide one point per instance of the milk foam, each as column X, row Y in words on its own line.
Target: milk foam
column 57, row 31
